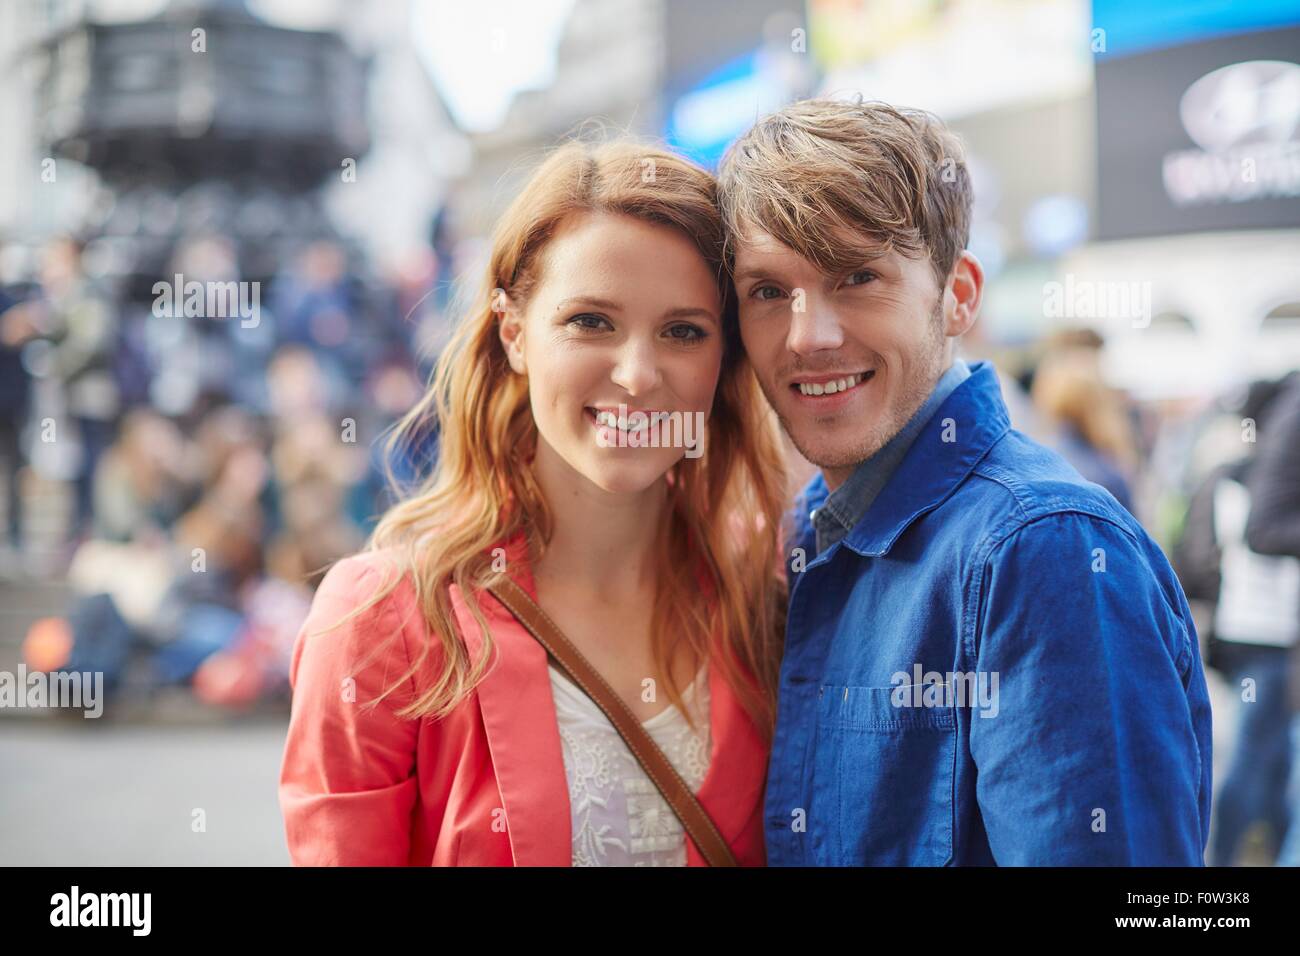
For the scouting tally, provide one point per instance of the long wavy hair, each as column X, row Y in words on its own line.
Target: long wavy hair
column 724, row 506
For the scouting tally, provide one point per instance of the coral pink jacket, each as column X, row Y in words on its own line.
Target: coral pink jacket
column 486, row 785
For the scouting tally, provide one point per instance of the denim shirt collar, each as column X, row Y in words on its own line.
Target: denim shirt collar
column 944, row 451
column 846, row 505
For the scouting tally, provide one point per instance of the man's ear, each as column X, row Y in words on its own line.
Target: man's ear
column 510, row 328
column 966, row 285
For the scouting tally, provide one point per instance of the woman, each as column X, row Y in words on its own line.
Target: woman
column 1092, row 431
column 427, row 727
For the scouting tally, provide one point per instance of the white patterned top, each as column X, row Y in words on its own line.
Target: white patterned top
column 619, row 816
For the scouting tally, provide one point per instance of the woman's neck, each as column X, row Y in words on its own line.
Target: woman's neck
column 600, row 540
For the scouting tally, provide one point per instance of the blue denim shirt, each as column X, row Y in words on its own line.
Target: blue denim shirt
column 995, row 666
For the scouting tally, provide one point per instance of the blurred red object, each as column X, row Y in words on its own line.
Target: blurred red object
column 48, row 645
column 231, row 678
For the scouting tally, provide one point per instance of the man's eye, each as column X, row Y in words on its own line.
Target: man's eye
column 860, row 278
column 762, row 291
column 588, row 320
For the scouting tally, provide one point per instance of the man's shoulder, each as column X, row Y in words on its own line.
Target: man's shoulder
column 1028, row 481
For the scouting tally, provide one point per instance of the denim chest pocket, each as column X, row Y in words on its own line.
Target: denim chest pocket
column 886, row 768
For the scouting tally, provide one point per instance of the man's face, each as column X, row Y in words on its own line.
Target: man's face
column 879, row 330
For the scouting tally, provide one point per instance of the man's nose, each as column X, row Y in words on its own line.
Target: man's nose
column 813, row 328
column 637, row 367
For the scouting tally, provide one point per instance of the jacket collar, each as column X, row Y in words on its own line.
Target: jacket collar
column 971, row 420
column 523, row 735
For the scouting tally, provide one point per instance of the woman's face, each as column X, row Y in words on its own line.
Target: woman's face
column 625, row 317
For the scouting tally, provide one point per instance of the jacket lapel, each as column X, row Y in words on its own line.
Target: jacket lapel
column 522, row 730
column 733, row 786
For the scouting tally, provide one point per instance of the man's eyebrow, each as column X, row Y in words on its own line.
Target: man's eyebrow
column 752, row 273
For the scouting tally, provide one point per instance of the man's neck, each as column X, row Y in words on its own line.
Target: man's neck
column 835, row 477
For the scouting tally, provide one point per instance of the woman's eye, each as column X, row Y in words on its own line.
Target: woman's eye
column 860, row 278
column 762, row 291
column 588, row 320
column 687, row 333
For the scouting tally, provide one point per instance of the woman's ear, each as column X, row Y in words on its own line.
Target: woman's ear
column 510, row 327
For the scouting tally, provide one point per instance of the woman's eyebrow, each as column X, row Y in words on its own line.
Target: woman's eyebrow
column 587, row 300
column 609, row 305
column 689, row 311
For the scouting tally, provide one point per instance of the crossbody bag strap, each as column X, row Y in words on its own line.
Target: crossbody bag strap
column 697, row 822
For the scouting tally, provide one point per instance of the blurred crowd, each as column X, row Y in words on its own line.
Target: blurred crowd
column 213, row 467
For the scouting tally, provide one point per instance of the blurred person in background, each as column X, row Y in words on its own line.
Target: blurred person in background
column 316, row 304
column 197, row 358
column 144, row 479
column 390, row 391
column 78, row 320
column 17, row 327
column 1253, row 626
column 1090, row 427
column 313, row 473
column 217, row 549
column 1274, row 529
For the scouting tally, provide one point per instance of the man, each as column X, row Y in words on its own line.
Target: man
column 988, row 661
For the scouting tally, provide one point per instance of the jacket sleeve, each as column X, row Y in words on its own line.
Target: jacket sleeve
column 1274, row 482
column 347, row 783
column 1097, row 752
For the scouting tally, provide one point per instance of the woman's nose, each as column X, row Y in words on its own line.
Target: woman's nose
column 637, row 368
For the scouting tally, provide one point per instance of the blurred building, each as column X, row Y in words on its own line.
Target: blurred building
column 690, row 73
column 116, row 127
column 608, row 70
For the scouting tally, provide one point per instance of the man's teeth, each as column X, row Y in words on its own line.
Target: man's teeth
column 613, row 421
column 830, row 388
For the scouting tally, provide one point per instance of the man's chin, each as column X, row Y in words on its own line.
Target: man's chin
column 832, row 453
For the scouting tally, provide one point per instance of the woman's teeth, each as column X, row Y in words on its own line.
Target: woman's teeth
column 613, row 421
column 830, row 388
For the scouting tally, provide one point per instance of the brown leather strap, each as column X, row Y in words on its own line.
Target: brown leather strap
column 694, row 818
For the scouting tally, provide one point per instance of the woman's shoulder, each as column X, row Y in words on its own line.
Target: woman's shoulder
column 364, row 614
column 368, row 571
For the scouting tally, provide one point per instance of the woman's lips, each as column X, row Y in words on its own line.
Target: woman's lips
column 613, row 436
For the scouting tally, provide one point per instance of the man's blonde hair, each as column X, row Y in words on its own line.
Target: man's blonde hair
column 841, row 182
